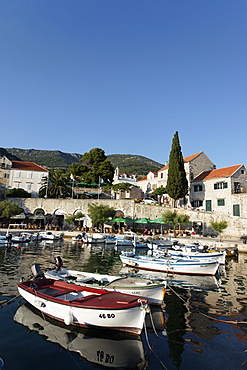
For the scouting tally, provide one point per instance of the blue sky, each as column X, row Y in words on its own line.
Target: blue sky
column 124, row 76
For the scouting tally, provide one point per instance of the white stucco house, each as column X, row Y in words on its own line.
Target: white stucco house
column 123, row 177
column 218, row 190
column 26, row 175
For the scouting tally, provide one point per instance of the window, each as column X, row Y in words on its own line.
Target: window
column 242, row 172
column 29, row 186
column 18, row 174
column 197, row 188
column 237, row 187
column 17, row 185
column 29, row 175
column 208, row 205
column 221, row 202
column 236, row 210
column 197, row 203
column 220, row 185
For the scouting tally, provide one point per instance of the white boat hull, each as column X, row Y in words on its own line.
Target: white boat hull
column 65, row 309
column 170, row 265
column 220, row 257
column 153, row 291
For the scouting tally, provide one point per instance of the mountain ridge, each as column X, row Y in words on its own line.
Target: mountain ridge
column 129, row 163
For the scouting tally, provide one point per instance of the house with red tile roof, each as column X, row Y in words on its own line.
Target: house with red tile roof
column 217, row 190
column 193, row 165
column 26, row 175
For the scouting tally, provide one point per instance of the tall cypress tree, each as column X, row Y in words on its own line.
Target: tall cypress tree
column 177, row 183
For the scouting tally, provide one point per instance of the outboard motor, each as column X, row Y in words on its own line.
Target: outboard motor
column 58, row 263
column 9, row 237
column 36, row 271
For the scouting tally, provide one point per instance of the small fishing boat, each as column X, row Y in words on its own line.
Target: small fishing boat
column 83, row 306
column 152, row 290
column 171, row 265
column 127, row 239
column 185, row 252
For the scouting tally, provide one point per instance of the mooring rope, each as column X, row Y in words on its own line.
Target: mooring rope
column 9, row 300
column 151, row 349
column 208, row 316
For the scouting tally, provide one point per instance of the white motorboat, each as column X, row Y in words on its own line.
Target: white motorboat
column 18, row 238
column 129, row 239
column 33, row 237
column 113, row 350
column 83, row 306
column 49, row 235
column 96, row 238
column 171, row 265
column 4, row 241
column 152, row 290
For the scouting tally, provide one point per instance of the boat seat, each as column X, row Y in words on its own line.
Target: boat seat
column 63, row 292
column 83, row 299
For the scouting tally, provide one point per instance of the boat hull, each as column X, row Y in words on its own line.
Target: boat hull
column 170, row 265
column 105, row 310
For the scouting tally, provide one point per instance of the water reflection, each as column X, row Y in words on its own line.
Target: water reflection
column 118, row 351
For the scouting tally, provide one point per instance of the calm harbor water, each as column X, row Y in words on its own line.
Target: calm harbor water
column 202, row 325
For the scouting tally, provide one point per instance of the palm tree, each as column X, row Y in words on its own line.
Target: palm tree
column 55, row 185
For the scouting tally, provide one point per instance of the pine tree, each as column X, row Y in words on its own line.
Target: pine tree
column 177, row 183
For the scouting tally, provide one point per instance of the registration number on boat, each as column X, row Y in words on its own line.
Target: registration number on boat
column 107, row 315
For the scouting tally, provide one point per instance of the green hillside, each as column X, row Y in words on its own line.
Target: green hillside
column 129, row 163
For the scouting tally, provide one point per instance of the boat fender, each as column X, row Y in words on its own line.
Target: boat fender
column 36, row 271
column 58, row 263
column 68, row 319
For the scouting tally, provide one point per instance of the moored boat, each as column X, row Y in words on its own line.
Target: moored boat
column 171, row 265
column 152, row 290
column 188, row 253
column 49, row 235
column 4, row 241
column 85, row 306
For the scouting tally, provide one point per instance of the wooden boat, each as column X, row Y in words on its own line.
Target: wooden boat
column 185, row 252
column 116, row 350
column 168, row 264
column 153, row 291
column 83, row 306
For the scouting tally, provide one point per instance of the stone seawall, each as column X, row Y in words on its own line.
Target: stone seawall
column 237, row 226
